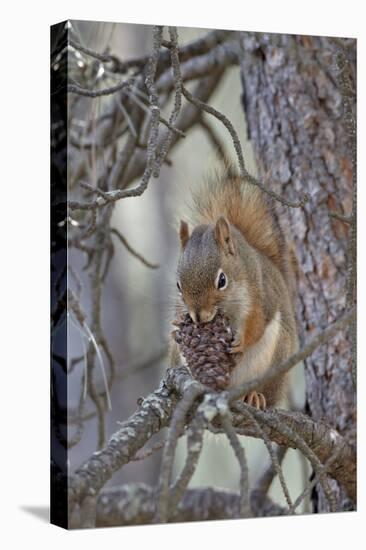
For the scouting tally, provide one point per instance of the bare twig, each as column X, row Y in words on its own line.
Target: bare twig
column 76, row 89
column 141, row 455
column 237, row 146
column 155, row 115
column 177, row 99
column 293, row 429
column 93, row 189
column 264, row 482
column 189, row 117
column 312, row 484
column 244, row 509
column 273, row 456
column 213, row 137
column 90, row 230
column 80, row 316
column 223, row 55
column 195, row 48
column 191, row 392
column 301, row 444
column 127, row 118
column 128, row 247
column 194, row 448
column 104, row 58
column 143, row 106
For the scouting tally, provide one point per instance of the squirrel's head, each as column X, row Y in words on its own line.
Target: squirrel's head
column 206, row 268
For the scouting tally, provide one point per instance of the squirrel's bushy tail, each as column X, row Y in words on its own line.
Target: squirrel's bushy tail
column 248, row 209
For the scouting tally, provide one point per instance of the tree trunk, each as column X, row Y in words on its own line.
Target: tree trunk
column 294, row 111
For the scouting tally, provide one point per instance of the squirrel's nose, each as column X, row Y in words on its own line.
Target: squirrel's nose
column 195, row 316
column 200, row 315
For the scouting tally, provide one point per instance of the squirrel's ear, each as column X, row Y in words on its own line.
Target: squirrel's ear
column 223, row 235
column 183, row 233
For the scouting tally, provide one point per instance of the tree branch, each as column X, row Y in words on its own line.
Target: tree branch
column 134, row 504
column 79, row 90
column 323, row 440
column 153, row 415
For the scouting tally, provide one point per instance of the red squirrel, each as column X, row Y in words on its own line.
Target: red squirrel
column 235, row 260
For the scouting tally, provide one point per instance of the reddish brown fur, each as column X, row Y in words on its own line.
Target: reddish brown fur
column 246, row 207
column 254, row 326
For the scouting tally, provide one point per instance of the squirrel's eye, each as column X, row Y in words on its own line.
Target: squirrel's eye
column 222, row 281
column 178, row 287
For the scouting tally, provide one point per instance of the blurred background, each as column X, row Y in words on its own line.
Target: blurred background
column 137, row 304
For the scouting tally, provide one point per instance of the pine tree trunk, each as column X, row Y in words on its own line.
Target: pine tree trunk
column 294, row 111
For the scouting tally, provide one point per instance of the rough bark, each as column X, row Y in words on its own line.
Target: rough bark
column 134, row 504
column 294, row 111
column 153, row 414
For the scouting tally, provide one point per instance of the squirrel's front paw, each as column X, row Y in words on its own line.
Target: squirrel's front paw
column 255, row 399
column 237, row 345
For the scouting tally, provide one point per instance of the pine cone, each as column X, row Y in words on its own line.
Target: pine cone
column 206, row 350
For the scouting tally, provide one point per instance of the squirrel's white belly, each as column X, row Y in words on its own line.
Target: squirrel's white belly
column 257, row 359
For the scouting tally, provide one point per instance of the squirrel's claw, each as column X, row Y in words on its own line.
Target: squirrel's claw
column 255, row 399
